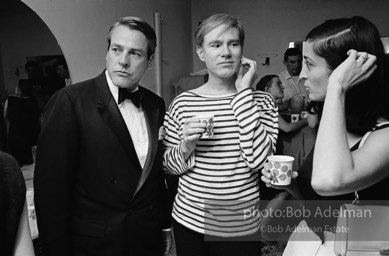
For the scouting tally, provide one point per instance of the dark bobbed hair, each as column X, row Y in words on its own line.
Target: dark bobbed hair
column 368, row 101
column 135, row 23
column 215, row 21
column 292, row 52
column 265, row 82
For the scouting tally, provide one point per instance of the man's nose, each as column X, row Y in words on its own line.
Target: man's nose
column 226, row 51
column 124, row 60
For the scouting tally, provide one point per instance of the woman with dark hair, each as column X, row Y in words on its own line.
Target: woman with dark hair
column 22, row 113
column 346, row 68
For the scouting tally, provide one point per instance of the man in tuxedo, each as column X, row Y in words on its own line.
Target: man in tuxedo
column 99, row 187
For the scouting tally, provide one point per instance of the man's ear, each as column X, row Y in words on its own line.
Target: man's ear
column 285, row 63
column 150, row 61
column 200, row 52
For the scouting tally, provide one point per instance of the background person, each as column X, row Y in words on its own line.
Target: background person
column 292, row 83
column 222, row 170
column 22, row 113
column 272, row 84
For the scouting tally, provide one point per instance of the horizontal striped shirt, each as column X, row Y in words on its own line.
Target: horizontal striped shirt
column 219, row 181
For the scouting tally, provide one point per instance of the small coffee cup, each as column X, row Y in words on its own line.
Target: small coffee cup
column 281, row 168
column 208, row 121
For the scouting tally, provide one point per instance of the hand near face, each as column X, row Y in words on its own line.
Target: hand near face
column 192, row 131
column 247, row 74
column 356, row 69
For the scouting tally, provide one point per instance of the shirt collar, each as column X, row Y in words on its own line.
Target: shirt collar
column 288, row 76
column 113, row 88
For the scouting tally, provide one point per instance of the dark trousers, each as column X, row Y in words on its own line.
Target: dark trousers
column 191, row 243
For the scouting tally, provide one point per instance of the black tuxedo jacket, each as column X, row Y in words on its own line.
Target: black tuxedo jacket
column 92, row 197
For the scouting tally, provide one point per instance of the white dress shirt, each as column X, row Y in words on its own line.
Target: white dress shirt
column 135, row 121
column 293, row 85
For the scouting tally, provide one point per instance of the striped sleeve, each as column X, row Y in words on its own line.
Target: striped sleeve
column 173, row 159
column 257, row 116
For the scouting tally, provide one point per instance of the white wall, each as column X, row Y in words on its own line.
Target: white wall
column 271, row 24
column 80, row 27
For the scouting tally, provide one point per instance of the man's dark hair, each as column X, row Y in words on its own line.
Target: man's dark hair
column 31, row 63
column 61, row 62
column 292, row 52
column 135, row 23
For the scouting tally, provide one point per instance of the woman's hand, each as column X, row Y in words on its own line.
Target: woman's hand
column 354, row 70
column 247, row 74
column 267, row 178
column 192, row 131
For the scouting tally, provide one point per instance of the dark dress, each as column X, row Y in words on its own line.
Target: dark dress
column 12, row 198
column 23, row 116
column 317, row 205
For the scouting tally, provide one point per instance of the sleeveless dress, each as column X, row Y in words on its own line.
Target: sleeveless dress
column 322, row 219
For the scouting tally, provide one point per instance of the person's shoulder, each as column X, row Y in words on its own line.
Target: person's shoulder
column 5, row 157
column 283, row 73
column 151, row 96
column 7, row 161
column 264, row 99
column 378, row 135
column 79, row 89
column 262, row 95
column 185, row 97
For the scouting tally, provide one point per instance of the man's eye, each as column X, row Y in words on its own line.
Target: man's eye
column 215, row 45
column 136, row 54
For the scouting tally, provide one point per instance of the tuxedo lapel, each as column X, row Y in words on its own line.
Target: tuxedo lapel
column 152, row 117
column 111, row 115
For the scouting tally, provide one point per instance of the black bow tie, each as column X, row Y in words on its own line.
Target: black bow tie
column 133, row 96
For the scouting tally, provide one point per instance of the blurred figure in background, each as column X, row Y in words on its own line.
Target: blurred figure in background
column 272, row 84
column 35, row 77
column 292, row 83
column 57, row 78
column 22, row 113
column 63, row 72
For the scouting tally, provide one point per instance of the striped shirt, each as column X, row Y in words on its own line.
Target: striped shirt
column 219, row 182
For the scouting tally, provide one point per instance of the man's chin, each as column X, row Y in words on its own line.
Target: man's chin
column 123, row 83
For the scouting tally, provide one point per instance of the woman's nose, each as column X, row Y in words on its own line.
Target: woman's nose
column 303, row 73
